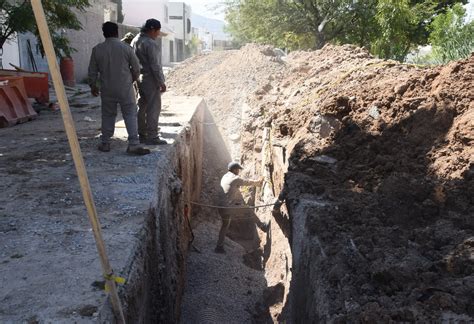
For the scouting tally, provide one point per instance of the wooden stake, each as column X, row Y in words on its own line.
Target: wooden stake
column 77, row 155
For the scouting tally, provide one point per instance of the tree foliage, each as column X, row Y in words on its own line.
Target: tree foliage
column 451, row 38
column 397, row 21
column 18, row 17
column 389, row 28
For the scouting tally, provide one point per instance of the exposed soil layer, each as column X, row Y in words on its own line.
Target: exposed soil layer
column 379, row 181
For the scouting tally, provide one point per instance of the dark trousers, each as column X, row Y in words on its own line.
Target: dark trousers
column 225, row 217
column 149, row 107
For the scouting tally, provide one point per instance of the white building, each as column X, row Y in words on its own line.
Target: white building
column 23, row 51
column 180, row 22
column 136, row 12
column 220, row 38
column 206, row 38
column 84, row 40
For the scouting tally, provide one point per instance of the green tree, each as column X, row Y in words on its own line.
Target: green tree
column 18, row 17
column 389, row 28
column 397, row 22
column 290, row 24
column 451, row 38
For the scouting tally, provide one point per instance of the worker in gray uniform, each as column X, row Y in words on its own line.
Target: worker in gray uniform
column 230, row 196
column 116, row 66
column 151, row 82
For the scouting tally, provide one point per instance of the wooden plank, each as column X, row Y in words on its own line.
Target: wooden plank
column 77, row 155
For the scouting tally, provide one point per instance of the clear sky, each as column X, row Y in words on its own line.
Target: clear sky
column 470, row 10
column 206, row 8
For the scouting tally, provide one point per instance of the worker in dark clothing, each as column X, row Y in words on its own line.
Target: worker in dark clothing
column 116, row 65
column 151, row 82
column 230, row 196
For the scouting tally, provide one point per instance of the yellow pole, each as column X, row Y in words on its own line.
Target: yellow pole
column 77, row 156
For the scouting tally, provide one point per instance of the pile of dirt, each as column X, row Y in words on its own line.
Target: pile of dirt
column 388, row 148
column 226, row 79
column 380, row 177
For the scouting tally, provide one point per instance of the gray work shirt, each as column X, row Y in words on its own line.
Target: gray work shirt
column 149, row 53
column 116, row 65
column 230, row 184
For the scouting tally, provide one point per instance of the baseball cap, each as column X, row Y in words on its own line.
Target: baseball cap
column 152, row 23
column 234, row 165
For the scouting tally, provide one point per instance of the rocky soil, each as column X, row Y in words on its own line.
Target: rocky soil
column 379, row 182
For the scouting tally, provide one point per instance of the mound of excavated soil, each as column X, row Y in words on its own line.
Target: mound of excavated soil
column 380, row 175
column 389, row 149
column 225, row 79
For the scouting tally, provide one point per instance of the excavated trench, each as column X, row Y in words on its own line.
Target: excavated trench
column 250, row 282
column 174, row 275
column 374, row 162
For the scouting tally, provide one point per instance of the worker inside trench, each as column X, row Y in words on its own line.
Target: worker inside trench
column 250, row 281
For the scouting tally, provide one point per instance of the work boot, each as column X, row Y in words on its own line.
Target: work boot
column 104, row 147
column 155, row 141
column 219, row 249
column 137, row 150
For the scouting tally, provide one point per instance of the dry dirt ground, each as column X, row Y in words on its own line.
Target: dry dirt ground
column 49, row 267
column 380, row 179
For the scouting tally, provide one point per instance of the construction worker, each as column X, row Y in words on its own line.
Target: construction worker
column 151, row 82
column 127, row 39
column 231, row 196
column 116, row 65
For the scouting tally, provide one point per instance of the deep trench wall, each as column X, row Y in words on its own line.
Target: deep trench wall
column 156, row 270
column 308, row 299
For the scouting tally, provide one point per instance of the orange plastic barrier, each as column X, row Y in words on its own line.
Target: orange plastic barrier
column 36, row 84
column 14, row 105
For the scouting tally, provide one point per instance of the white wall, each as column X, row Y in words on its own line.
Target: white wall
column 206, row 38
column 11, row 54
column 136, row 12
column 180, row 9
column 91, row 35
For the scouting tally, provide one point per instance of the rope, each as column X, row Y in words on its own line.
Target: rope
column 204, row 123
column 227, row 207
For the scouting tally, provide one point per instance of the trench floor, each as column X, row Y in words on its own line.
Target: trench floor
column 220, row 288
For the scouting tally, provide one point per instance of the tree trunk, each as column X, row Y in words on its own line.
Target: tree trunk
column 320, row 40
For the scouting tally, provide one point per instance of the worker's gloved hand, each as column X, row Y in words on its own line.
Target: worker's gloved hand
column 163, row 88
